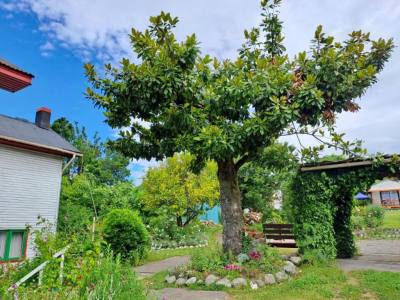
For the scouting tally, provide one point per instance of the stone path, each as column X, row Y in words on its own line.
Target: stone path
column 380, row 255
column 184, row 294
column 175, row 293
column 162, row 265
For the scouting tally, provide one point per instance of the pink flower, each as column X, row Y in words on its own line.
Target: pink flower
column 232, row 267
column 255, row 255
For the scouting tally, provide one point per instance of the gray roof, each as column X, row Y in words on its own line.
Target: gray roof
column 25, row 131
column 14, row 67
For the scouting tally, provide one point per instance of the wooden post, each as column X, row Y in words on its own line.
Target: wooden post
column 61, row 268
column 40, row 277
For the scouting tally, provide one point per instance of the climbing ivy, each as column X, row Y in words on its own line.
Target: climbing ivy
column 322, row 203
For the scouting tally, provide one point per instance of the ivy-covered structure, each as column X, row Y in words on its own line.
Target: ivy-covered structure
column 322, row 200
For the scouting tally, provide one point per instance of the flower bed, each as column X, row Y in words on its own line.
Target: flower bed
column 179, row 237
column 378, row 233
column 260, row 266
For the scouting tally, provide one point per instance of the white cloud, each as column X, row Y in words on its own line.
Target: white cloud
column 138, row 168
column 99, row 29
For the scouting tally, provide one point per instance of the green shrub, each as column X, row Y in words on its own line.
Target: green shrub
column 374, row 216
column 370, row 216
column 126, row 234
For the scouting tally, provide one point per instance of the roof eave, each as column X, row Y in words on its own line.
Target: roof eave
column 37, row 147
column 13, row 80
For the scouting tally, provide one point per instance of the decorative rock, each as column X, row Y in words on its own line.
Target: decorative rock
column 172, row 271
column 224, row 282
column 260, row 283
column 239, row 282
column 281, row 276
column 210, row 279
column 269, row 279
column 180, row 281
column 290, row 268
column 191, row 280
column 296, row 260
column 253, row 285
column 170, row 279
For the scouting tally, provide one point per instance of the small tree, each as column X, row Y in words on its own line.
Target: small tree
column 174, row 186
column 230, row 110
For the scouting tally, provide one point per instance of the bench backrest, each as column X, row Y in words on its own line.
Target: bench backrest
column 279, row 231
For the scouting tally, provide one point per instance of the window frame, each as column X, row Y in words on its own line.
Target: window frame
column 7, row 246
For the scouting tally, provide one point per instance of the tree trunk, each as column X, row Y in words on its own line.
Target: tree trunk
column 231, row 207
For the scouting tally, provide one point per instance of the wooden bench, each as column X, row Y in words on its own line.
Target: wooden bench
column 280, row 235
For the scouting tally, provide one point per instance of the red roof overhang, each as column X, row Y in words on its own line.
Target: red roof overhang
column 13, row 80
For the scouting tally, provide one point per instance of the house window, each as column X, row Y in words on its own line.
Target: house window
column 390, row 198
column 12, row 244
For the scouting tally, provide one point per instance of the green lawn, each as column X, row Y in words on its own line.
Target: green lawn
column 163, row 254
column 316, row 282
column 391, row 219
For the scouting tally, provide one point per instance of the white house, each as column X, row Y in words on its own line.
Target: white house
column 31, row 162
column 386, row 193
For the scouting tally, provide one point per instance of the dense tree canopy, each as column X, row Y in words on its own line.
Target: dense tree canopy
column 261, row 178
column 172, row 185
column 173, row 98
column 95, row 184
column 101, row 163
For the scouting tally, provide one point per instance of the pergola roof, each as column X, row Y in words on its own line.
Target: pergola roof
column 341, row 164
column 12, row 78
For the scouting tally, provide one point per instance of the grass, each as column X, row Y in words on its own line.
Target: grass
column 314, row 282
column 385, row 285
column 156, row 255
column 391, row 219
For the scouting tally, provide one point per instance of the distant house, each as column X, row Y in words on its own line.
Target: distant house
column 31, row 163
column 386, row 193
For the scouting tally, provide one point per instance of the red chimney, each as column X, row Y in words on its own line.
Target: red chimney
column 42, row 119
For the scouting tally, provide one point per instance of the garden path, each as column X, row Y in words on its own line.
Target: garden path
column 184, row 294
column 380, row 255
column 162, row 265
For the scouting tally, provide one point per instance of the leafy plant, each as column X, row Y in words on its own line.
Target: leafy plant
column 172, row 190
column 111, row 279
column 126, row 234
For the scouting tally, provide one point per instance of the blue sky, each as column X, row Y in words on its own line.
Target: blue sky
column 53, row 38
column 59, row 81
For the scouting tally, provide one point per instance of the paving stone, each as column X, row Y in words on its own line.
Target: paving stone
column 184, row 294
column 163, row 265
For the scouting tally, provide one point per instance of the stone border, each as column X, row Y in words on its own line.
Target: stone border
column 290, row 269
column 180, row 247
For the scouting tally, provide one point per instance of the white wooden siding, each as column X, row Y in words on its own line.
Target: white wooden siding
column 30, row 185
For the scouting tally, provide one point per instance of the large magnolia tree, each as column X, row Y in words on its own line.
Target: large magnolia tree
column 172, row 98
